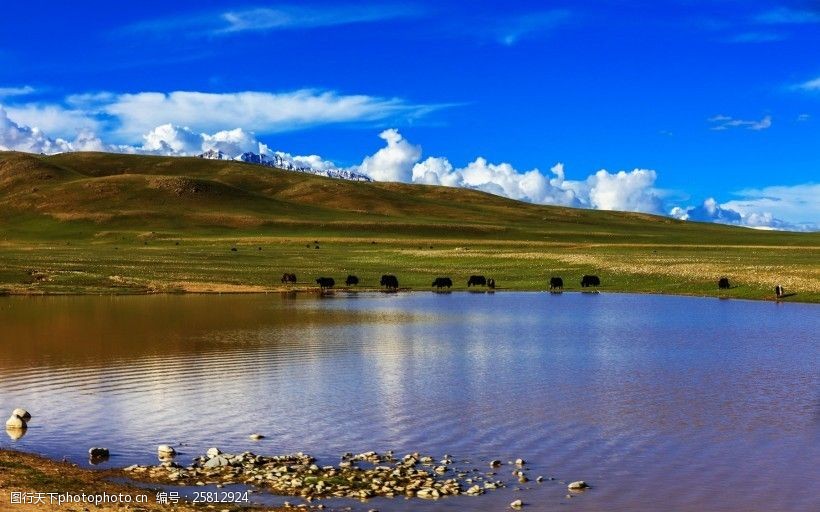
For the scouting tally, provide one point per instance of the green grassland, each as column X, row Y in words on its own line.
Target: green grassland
column 105, row 223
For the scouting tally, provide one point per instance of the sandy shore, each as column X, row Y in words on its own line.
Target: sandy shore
column 40, row 483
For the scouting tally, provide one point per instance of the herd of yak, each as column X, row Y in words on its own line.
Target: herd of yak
column 391, row 282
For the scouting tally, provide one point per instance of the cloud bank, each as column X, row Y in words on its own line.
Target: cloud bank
column 400, row 160
column 761, row 208
column 127, row 117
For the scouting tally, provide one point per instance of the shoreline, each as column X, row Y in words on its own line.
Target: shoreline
column 32, row 475
column 233, row 290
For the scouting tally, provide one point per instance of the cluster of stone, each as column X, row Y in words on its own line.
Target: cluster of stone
column 360, row 476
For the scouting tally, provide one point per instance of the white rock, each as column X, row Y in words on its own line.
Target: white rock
column 24, row 414
column 495, row 463
column 577, row 486
column 256, row 437
column 164, row 450
column 519, row 462
column 15, row 422
column 213, row 452
column 216, row 462
column 517, row 504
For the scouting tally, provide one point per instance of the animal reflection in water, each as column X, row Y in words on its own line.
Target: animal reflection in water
column 326, row 283
column 444, row 283
column 16, row 433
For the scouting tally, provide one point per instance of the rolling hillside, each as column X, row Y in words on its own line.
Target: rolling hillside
column 92, row 222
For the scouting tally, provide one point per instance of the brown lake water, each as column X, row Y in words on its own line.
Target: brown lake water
column 660, row 403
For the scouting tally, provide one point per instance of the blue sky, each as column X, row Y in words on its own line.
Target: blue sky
column 712, row 99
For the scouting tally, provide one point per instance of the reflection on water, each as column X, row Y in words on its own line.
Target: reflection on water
column 660, row 402
column 16, row 433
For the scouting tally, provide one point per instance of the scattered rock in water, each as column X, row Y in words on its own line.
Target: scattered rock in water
column 517, row 504
column 15, row 422
column 539, row 479
column 577, row 486
column 256, row 437
column 361, row 476
column 428, row 493
column 474, row 490
column 22, row 413
column 216, row 462
column 213, row 452
column 165, row 451
column 495, row 463
column 98, row 453
column 519, row 462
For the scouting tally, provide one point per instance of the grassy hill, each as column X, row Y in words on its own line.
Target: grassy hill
column 96, row 222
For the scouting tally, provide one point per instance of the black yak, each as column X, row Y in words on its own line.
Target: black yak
column 491, row 283
column 442, row 282
column 288, row 278
column 556, row 283
column 476, row 281
column 326, row 282
column 723, row 283
column 590, row 281
column 389, row 281
column 778, row 291
column 351, row 280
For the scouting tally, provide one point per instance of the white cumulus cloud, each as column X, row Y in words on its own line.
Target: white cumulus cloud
column 793, row 207
column 627, row 191
column 400, row 161
column 393, row 162
column 17, row 137
column 797, row 204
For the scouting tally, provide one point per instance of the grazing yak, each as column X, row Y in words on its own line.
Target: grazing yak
column 491, row 283
column 326, row 282
column 476, row 281
column 778, row 291
column 442, row 282
column 556, row 283
column 389, row 281
column 590, row 281
column 723, row 283
column 351, row 280
column 288, row 278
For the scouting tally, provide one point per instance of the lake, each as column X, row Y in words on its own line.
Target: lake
column 660, row 403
